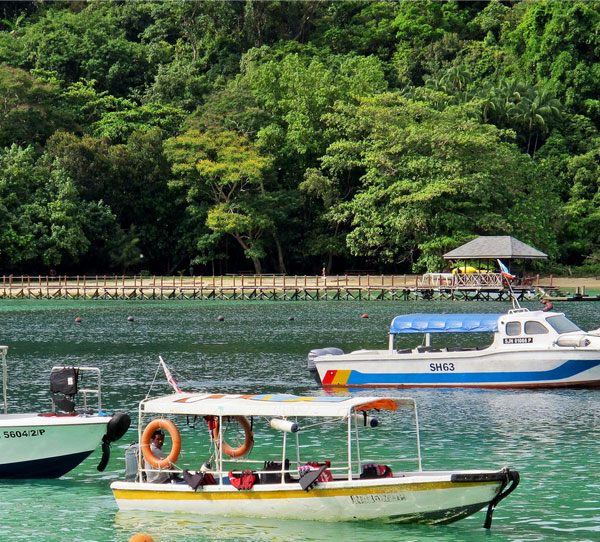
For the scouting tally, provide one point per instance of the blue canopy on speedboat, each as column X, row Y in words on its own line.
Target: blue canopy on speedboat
column 444, row 323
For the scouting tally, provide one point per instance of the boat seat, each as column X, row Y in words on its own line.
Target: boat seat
column 405, row 351
column 428, row 349
column 461, row 348
column 63, row 388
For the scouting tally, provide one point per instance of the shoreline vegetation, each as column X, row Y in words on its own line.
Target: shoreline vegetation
column 247, row 286
column 216, row 137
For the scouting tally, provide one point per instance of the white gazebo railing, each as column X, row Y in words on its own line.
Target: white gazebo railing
column 461, row 280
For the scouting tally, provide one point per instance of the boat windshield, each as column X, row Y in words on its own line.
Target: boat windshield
column 562, row 324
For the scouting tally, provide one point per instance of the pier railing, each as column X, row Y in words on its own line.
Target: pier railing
column 271, row 286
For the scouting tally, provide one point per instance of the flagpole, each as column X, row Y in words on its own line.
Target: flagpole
column 170, row 379
column 505, row 273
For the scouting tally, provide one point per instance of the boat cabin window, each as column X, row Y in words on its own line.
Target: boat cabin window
column 562, row 324
column 535, row 328
column 513, row 328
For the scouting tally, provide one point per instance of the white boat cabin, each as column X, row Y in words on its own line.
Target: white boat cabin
column 518, row 328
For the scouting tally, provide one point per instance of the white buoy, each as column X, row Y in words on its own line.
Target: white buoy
column 369, row 421
column 284, row 425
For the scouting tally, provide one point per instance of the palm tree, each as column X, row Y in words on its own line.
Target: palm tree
column 457, row 77
column 536, row 113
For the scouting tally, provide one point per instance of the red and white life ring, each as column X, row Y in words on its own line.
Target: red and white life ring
column 245, row 447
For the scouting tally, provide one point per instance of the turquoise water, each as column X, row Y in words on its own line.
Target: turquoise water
column 551, row 437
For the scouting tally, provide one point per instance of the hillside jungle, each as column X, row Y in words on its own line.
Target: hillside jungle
column 225, row 137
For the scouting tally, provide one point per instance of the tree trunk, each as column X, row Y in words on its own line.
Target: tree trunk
column 280, row 261
column 257, row 266
column 255, row 261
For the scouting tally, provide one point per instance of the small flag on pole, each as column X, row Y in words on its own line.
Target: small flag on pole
column 170, row 379
column 504, row 271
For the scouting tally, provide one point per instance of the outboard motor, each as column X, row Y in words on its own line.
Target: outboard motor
column 132, row 453
column 315, row 353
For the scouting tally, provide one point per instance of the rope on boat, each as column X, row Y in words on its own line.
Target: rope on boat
column 510, row 475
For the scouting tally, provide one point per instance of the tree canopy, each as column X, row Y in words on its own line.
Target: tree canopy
column 280, row 136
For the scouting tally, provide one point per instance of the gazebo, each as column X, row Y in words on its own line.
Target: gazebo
column 490, row 247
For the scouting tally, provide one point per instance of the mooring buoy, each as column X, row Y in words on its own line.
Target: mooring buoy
column 365, row 315
column 141, row 537
column 220, row 318
column 78, row 320
column 130, row 318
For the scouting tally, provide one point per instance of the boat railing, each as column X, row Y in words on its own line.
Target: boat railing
column 294, row 472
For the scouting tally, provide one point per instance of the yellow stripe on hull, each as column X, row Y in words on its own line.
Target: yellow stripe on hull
column 340, row 378
column 145, row 493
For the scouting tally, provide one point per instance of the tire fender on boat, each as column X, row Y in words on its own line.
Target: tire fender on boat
column 245, row 447
column 117, row 426
column 171, row 428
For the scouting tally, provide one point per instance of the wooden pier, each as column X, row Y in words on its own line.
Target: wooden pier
column 252, row 287
column 578, row 295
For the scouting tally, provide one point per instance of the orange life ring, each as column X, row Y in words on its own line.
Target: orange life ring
column 161, row 423
column 248, row 438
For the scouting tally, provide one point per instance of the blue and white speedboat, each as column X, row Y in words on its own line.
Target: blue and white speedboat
column 530, row 349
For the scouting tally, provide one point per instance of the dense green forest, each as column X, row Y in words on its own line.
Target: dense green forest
column 218, row 137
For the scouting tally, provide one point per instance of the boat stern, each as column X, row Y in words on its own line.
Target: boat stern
column 316, row 353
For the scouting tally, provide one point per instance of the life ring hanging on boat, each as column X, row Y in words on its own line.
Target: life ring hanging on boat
column 245, row 447
column 161, row 423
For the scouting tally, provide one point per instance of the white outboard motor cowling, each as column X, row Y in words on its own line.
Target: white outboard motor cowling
column 317, row 352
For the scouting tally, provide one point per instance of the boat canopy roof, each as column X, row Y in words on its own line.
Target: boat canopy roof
column 444, row 323
column 280, row 405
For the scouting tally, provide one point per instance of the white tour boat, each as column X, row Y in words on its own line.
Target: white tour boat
column 530, row 349
column 48, row 445
column 315, row 458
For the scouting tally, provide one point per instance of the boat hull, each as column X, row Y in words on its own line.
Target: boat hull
column 33, row 446
column 420, row 498
column 547, row 368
